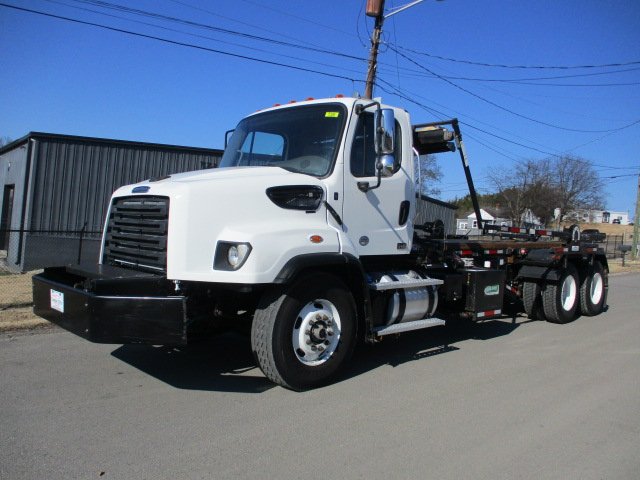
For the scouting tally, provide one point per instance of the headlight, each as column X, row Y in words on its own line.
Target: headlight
column 231, row 255
column 296, row 197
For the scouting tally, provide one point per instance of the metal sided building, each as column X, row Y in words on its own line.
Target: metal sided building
column 53, row 187
column 431, row 210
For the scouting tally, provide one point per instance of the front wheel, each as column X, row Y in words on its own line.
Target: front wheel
column 301, row 336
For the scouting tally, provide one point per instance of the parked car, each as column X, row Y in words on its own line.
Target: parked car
column 616, row 221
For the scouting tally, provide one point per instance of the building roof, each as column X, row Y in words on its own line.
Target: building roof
column 438, row 202
column 74, row 138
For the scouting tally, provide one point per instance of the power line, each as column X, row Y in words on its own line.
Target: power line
column 298, row 17
column 534, row 67
column 181, row 44
column 167, row 18
column 621, row 176
column 398, row 92
column 559, row 127
column 226, row 42
column 461, row 114
column 215, row 14
column 431, row 110
column 159, row 16
column 621, row 84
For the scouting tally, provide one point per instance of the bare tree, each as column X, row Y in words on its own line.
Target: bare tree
column 429, row 174
column 577, row 185
column 568, row 182
column 526, row 187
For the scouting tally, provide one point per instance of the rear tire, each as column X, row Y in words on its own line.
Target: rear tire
column 560, row 300
column 301, row 336
column 593, row 290
column 532, row 300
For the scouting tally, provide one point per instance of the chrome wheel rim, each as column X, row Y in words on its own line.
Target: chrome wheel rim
column 568, row 293
column 316, row 332
column 597, row 289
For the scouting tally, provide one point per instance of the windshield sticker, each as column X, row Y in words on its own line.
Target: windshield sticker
column 332, row 114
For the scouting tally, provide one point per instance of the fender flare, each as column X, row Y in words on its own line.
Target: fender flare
column 348, row 267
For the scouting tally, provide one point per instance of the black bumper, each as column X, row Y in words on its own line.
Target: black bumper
column 106, row 304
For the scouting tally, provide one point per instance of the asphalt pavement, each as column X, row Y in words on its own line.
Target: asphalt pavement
column 501, row 400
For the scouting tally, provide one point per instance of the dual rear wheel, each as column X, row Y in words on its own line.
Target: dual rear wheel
column 562, row 301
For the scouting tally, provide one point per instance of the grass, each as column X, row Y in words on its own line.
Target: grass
column 15, row 303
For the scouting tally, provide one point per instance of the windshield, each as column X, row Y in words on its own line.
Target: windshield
column 298, row 139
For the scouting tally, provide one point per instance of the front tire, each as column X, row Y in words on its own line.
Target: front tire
column 302, row 335
column 560, row 300
column 593, row 290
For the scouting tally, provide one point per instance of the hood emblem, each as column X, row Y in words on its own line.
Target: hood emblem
column 141, row 189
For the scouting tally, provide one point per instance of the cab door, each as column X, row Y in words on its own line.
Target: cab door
column 379, row 221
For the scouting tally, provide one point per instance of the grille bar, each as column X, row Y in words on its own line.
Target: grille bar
column 137, row 233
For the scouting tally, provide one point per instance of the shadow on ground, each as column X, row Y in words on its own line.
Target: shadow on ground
column 225, row 363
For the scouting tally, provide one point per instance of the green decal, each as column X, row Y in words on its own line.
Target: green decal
column 492, row 290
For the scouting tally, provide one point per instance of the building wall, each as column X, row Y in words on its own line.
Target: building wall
column 429, row 210
column 73, row 180
column 12, row 172
column 70, row 182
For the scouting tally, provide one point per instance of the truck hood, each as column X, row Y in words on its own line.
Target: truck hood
column 231, row 180
column 231, row 205
column 240, row 173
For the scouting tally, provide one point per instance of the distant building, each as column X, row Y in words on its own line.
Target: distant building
column 53, row 186
column 430, row 209
column 598, row 216
column 468, row 224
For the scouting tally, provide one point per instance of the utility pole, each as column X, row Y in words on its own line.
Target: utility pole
column 375, row 8
column 636, row 229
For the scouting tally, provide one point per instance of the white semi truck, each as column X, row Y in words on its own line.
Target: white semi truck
column 306, row 235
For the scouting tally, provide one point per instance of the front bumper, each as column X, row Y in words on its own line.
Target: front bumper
column 105, row 304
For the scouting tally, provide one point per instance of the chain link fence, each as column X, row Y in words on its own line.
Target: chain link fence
column 25, row 252
column 612, row 245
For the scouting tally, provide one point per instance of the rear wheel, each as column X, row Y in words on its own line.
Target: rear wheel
column 532, row 300
column 593, row 290
column 560, row 300
column 304, row 334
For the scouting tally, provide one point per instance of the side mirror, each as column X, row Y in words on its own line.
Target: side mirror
column 227, row 134
column 385, row 124
column 385, row 133
column 386, row 165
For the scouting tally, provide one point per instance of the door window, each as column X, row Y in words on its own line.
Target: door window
column 363, row 153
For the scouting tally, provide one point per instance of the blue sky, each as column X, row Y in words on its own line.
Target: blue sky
column 64, row 77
